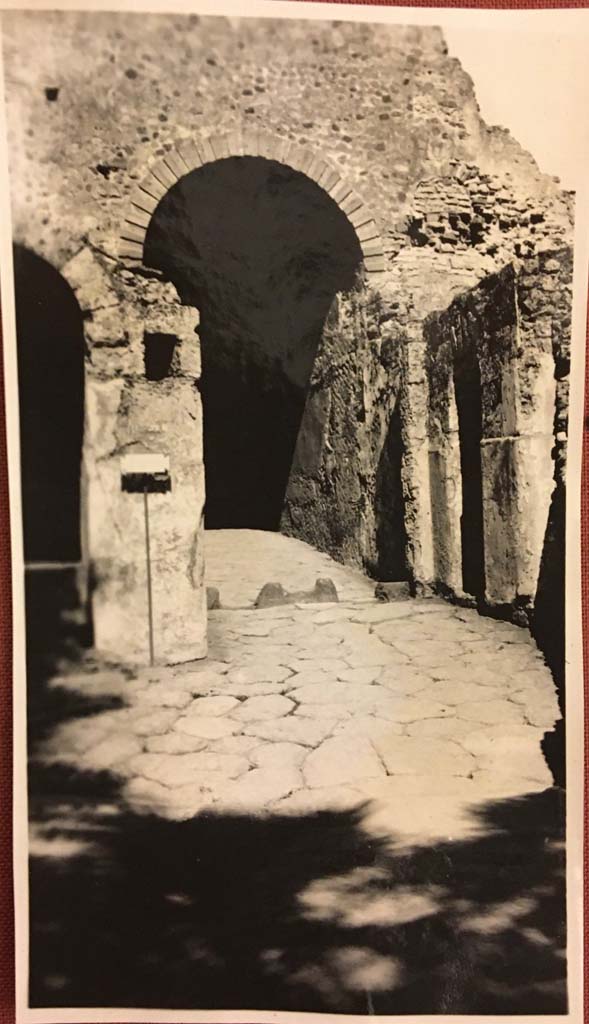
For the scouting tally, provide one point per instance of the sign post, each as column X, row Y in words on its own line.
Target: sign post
column 146, row 472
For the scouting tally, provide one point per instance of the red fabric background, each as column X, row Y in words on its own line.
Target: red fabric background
column 7, row 1015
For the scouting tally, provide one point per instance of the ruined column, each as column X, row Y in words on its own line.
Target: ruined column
column 142, row 369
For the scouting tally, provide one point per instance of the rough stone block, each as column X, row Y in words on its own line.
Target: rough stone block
column 164, row 174
column 176, row 164
column 162, row 417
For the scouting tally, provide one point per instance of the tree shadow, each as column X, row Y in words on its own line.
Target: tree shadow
column 300, row 913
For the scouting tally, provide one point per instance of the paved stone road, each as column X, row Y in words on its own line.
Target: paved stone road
column 417, row 710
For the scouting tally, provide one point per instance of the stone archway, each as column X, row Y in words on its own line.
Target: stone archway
column 192, row 153
column 142, row 369
column 261, row 251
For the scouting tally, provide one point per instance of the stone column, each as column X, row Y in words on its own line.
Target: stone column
column 416, row 460
column 444, row 456
column 126, row 413
column 517, row 372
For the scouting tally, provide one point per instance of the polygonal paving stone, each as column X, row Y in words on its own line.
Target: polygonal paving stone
column 330, row 666
column 242, row 745
column 260, row 787
column 458, row 693
column 404, row 680
column 111, row 752
column 310, row 677
column 355, row 695
column 510, row 749
column 490, row 712
column 375, row 654
column 411, row 819
column 155, row 722
column 181, row 769
column 258, row 709
column 146, row 796
column 253, row 628
column 321, row 798
column 343, row 631
column 175, row 743
column 332, row 711
column 211, row 707
column 292, row 730
column 450, row 727
column 410, row 755
column 369, row 726
column 337, row 761
column 414, row 709
column 245, row 690
column 200, row 682
column 360, row 675
column 544, row 715
column 206, row 728
column 162, row 695
column 258, row 672
column 385, row 612
column 336, row 613
column 321, row 655
column 500, row 785
column 275, row 756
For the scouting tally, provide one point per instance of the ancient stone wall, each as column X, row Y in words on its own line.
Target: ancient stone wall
column 334, row 497
column 114, row 111
column 515, row 327
column 126, row 413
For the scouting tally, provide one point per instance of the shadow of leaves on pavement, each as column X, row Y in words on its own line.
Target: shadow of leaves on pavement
column 306, row 913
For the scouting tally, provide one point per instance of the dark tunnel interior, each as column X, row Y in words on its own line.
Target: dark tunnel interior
column 261, row 251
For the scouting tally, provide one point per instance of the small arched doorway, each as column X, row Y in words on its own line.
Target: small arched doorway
column 261, row 250
column 50, row 347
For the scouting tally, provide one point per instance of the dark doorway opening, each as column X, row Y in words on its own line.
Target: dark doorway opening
column 261, row 250
column 389, row 508
column 467, row 384
column 50, row 347
column 50, row 341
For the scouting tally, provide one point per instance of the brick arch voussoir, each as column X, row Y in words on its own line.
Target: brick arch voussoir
column 191, row 154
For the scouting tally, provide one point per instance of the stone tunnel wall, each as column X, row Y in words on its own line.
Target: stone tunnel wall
column 342, row 495
column 453, row 201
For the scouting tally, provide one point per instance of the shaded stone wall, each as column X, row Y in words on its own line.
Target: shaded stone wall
column 340, row 477
column 515, row 326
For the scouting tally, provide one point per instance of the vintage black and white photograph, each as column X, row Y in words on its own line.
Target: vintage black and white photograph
column 291, row 333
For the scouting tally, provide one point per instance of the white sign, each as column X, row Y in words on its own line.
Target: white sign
column 145, row 462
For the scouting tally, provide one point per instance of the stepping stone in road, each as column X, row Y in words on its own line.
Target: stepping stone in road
column 273, row 594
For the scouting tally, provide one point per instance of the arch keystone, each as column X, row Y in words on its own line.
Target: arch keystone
column 235, row 142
